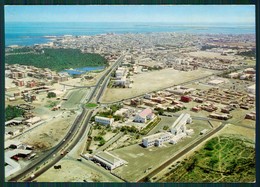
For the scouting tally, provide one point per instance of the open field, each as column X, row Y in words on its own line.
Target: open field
column 139, row 158
column 48, row 134
column 151, row 81
column 75, row 171
column 222, row 159
column 213, row 55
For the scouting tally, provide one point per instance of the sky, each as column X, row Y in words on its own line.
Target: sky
column 239, row 14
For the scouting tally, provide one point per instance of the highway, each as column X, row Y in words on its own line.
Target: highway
column 80, row 125
column 57, row 148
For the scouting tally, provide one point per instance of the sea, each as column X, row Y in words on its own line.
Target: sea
column 30, row 33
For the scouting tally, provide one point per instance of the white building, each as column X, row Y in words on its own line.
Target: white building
column 251, row 89
column 11, row 166
column 108, row 160
column 216, row 82
column 179, row 126
column 177, row 138
column 146, row 114
column 104, row 120
column 120, row 72
column 156, row 139
column 148, row 96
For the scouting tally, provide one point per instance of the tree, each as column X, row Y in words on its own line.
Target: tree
column 51, row 94
column 160, row 111
column 13, row 112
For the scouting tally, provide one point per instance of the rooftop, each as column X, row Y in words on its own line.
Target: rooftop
column 145, row 112
column 111, row 159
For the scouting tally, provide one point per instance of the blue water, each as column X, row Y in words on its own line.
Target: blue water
column 78, row 71
column 32, row 33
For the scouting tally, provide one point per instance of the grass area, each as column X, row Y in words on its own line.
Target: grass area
column 57, row 59
column 222, row 159
column 150, row 126
column 91, row 105
column 51, row 104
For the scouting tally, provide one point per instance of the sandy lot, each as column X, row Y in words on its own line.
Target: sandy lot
column 151, row 81
column 207, row 54
column 48, row 134
column 75, row 171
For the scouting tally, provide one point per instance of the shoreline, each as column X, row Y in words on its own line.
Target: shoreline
column 53, row 38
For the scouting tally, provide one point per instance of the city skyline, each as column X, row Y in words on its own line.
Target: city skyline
column 208, row 14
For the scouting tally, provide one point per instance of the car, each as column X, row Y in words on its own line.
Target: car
column 64, row 140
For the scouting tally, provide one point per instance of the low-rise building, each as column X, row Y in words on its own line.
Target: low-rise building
column 156, row 139
column 251, row 89
column 108, row 160
column 104, row 120
column 179, row 126
column 146, row 114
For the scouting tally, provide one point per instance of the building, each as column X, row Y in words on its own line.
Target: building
column 251, row 115
column 203, row 131
column 33, row 120
column 19, row 83
column 120, row 72
column 146, row 114
column 108, row 160
column 216, row 82
column 251, row 89
column 11, row 166
column 220, row 116
column 179, row 126
column 177, row 138
column 104, row 120
column 15, row 121
column 31, row 84
column 185, row 98
column 249, row 71
column 156, row 139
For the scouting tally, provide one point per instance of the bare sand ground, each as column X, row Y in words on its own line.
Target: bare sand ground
column 151, row 81
column 207, row 54
column 75, row 171
column 49, row 134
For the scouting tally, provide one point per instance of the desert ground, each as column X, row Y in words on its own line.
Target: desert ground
column 151, row 81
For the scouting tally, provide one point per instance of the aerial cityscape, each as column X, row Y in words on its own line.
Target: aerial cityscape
column 128, row 94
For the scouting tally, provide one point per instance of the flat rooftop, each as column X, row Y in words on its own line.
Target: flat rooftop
column 111, row 159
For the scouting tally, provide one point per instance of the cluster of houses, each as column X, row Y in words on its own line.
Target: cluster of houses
column 246, row 74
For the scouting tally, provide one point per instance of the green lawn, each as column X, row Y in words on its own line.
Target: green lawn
column 91, row 105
